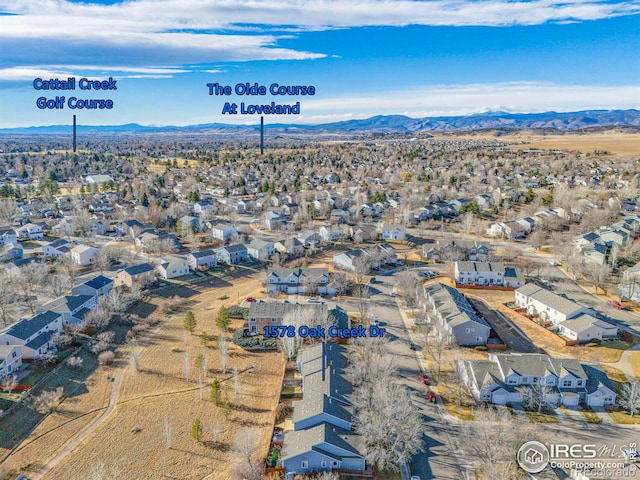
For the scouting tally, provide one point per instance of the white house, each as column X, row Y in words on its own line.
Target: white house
column 72, row 308
column 260, row 249
column 56, row 248
column 394, row 232
column 487, row 273
column 547, row 305
column 10, row 359
column 8, row 235
column 505, row 379
column 224, row 232
column 30, row 231
column 97, row 286
column 173, row 266
column 84, row 255
column 586, row 328
column 299, row 280
column 97, row 179
column 202, row 260
column 33, row 335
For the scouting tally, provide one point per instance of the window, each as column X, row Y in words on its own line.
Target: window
column 14, row 354
column 478, row 339
column 566, row 383
column 535, row 379
column 323, row 463
column 579, row 383
column 335, row 464
column 304, row 464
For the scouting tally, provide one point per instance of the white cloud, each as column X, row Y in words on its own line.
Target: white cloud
column 443, row 100
column 179, row 32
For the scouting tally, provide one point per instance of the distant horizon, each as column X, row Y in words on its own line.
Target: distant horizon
column 415, row 58
column 268, row 123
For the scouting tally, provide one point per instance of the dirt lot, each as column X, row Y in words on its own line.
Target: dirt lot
column 157, row 399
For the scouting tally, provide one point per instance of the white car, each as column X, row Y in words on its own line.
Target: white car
column 415, row 477
column 313, row 300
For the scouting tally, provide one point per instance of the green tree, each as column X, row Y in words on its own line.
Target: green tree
column 226, row 407
column 471, row 207
column 196, row 430
column 223, row 320
column 529, row 196
column 199, row 361
column 193, row 196
column 215, row 392
column 190, row 322
column 204, row 339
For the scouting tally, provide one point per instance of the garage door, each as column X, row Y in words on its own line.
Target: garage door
column 595, row 401
column 499, row 398
column 570, row 400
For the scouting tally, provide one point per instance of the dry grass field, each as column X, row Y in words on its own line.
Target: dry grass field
column 147, row 435
column 614, row 141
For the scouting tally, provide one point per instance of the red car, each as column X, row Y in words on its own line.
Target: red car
column 250, row 299
column 431, row 397
column 615, row 304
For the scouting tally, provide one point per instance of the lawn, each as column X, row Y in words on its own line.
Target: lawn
column 590, row 417
column 536, row 417
column 635, row 363
column 623, row 418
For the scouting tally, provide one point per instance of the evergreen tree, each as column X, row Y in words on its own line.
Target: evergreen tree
column 223, row 319
column 190, row 322
column 215, row 392
column 196, row 430
column 204, row 339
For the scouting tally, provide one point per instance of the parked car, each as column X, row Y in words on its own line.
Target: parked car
column 375, row 322
column 250, row 299
column 431, row 397
column 313, row 300
column 617, row 305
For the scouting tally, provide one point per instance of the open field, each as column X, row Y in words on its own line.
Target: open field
column 148, row 433
column 614, row 141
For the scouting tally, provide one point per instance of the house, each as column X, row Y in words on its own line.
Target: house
column 153, row 241
column 10, row 359
column 96, row 287
column 191, row 224
column 56, row 248
column 260, row 249
column 341, row 215
column 8, row 235
column 12, row 250
column 262, row 313
column 454, row 250
column 322, row 438
column 508, row 230
column 131, row 228
column 224, row 232
column 173, row 266
column 290, row 246
column 349, row 260
column 586, row 328
column 487, row 273
column 137, row 274
column 33, row 335
column 330, row 233
column 394, row 232
column 505, row 378
column 273, row 220
column 71, row 308
column 454, row 317
column 547, row 305
column 232, row 254
column 30, row 231
column 202, row 260
column 294, row 281
column 309, row 238
column 84, row 255
column 97, row 179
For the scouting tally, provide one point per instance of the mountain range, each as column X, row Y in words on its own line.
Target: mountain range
column 379, row 124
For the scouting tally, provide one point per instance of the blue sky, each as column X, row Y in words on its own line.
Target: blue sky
column 365, row 57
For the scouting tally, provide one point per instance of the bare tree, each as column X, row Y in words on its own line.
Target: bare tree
column 48, row 400
column 630, row 397
column 222, row 348
column 28, row 279
column 363, row 295
column 186, row 366
column 9, row 211
column 246, row 455
column 58, row 285
column 361, row 267
column 596, row 274
column 8, row 383
column 493, row 440
column 237, row 386
column 538, row 396
column 7, row 297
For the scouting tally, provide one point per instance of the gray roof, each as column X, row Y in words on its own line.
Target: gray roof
column 480, row 266
column 203, row 253
column 302, row 441
column 584, row 322
column 527, row 364
column 68, row 303
column 40, row 340
column 316, row 403
column 454, row 308
column 279, row 309
column 27, row 327
column 98, row 282
column 235, row 248
column 299, row 272
column 556, row 302
column 139, row 269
